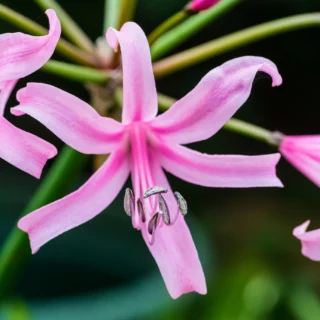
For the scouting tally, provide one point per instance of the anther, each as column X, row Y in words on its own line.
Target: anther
column 128, row 202
column 141, row 210
column 153, row 223
column 154, row 190
column 164, row 210
column 182, row 203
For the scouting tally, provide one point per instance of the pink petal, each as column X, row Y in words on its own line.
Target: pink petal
column 71, row 119
column 21, row 54
column 174, row 249
column 140, row 102
column 6, row 88
column 199, row 5
column 203, row 111
column 80, row 206
column 303, row 152
column 24, row 150
column 231, row 171
column 310, row 241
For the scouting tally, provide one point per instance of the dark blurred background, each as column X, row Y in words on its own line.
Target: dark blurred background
column 254, row 269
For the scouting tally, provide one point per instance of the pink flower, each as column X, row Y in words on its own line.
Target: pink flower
column 144, row 145
column 200, row 5
column 303, row 152
column 310, row 241
column 21, row 55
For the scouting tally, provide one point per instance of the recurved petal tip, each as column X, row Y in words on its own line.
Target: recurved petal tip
column 310, row 241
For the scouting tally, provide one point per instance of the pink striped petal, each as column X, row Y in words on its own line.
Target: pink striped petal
column 203, row 111
column 140, row 101
column 174, row 249
column 21, row 54
column 200, row 5
column 24, row 150
column 303, row 152
column 310, row 241
column 6, row 88
column 80, row 206
column 71, row 119
column 229, row 171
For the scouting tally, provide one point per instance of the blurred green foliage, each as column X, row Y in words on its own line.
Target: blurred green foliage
column 102, row 270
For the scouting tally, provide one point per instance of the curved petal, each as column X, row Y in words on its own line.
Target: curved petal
column 24, row 150
column 310, row 241
column 203, row 111
column 21, row 54
column 230, row 171
column 71, row 119
column 200, row 5
column 174, row 249
column 6, row 88
column 307, row 164
column 140, row 102
column 80, row 206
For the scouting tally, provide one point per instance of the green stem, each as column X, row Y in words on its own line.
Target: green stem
column 69, row 27
column 74, row 72
column 168, row 25
column 16, row 250
column 233, row 125
column 185, row 30
column 64, row 48
column 127, row 11
column 235, row 40
column 111, row 14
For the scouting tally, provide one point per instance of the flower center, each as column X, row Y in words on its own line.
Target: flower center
column 147, row 205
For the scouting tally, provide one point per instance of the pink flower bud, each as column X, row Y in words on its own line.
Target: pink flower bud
column 200, row 5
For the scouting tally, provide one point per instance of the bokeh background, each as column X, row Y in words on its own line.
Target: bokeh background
column 103, row 270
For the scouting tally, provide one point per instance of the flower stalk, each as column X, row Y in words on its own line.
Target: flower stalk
column 233, row 41
column 168, row 25
column 69, row 27
column 65, row 48
column 75, row 72
column 188, row 28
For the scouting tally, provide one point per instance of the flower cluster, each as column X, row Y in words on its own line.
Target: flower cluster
column 143, row 145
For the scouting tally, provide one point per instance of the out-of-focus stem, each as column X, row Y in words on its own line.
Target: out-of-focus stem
column 64, row 48
column 191, row 26
column 111, row 14
column 16, row 250
column 127, row 11
column 75, row 72
column 232, row 41
column 168, row 25
column 69, row 27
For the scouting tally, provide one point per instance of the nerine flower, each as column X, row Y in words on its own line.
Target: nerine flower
column 21, row 55
column 143, row 145
column 310, row 241
column 303, row 152
column 200, row 5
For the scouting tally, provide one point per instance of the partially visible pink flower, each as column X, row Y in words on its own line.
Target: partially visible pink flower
column 21, row 55
column 310, row 241
column 200, row 5
column 143, row 145
column 303, row 152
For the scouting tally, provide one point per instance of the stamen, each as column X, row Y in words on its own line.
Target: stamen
column 128, row 202
column 141, row 210
column 154, row 190
column 164, row 211
column 182, row 203
column 153, row 223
